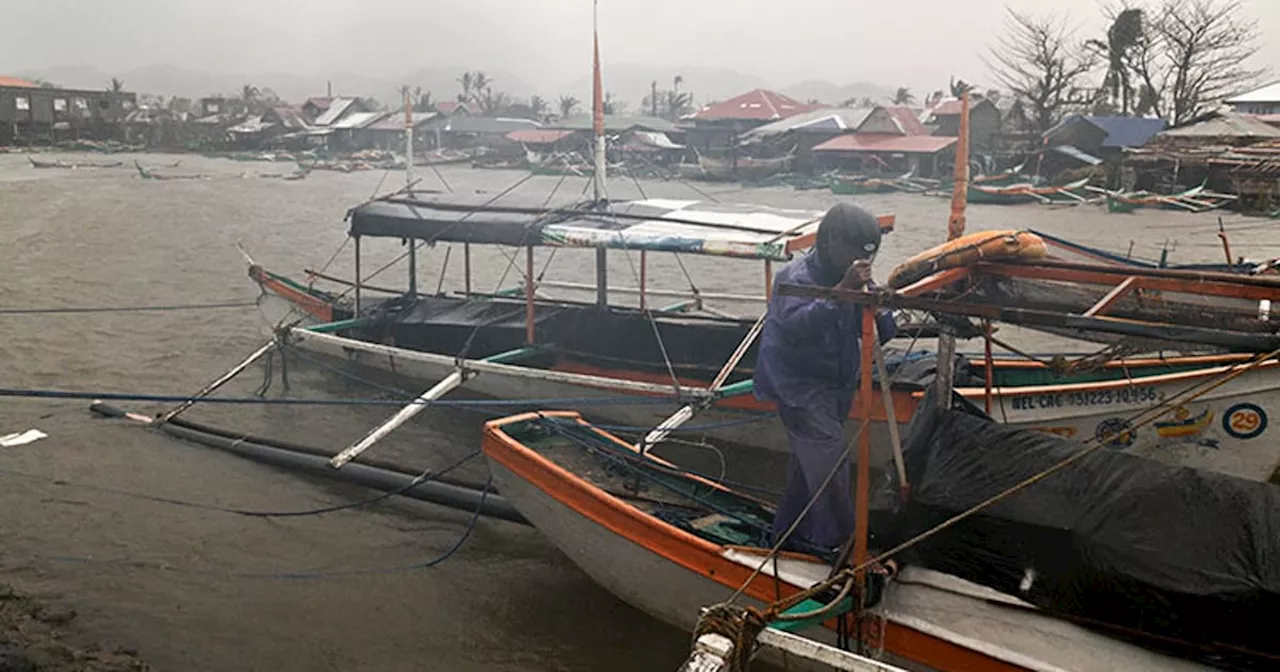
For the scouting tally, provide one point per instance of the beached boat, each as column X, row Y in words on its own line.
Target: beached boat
column 851, row 185
column 1074, row 192
column 1195, row 199
column 741, row 168
column 671, row 542
column 72, row 165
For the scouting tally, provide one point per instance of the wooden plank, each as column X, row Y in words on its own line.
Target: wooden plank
column 402, row 416
column 1112, row 296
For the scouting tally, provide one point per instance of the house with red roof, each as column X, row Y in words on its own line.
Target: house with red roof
column 889, row 141
column 717, row 126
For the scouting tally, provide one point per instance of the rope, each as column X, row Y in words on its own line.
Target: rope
column 299, row 575
column 128, row 309
column 424, row 477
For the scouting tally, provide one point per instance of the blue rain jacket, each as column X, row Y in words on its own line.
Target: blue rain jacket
column 808, row 365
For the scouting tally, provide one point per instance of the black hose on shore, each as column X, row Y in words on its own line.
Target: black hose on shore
column 313, row 461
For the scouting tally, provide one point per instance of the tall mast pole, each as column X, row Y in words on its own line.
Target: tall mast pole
column 408, row 180
column 955, row 228
column 597, row 105
column 598, row 179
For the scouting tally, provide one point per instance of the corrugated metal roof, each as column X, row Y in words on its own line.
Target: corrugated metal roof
column 539, row 136
column 757, row 105
column 1078, row 155
column 337, row 107
column 617, row 123
column 881, row 143
column 1267, row 94
column 395, row 120
column 1127, row 131
column 1224, row 125
column 289, row 117
column 654, row 139
column 357, row 120
column 908, row 120
column 822, row 119
column 251, row 126
column 451, row 106
column 21, row 83
column 482, row 125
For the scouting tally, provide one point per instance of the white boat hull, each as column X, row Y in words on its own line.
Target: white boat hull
column 1227, row 430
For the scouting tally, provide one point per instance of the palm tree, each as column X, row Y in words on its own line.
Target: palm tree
column 467, row 85
column 1123, row 36
column 676, row 82
column 568, row 104
column 539, row 106
column 117, row 86
column 678, row 104
column 903, row 96
column 249, row 97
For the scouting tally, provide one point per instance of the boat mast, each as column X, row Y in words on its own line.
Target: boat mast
column 598, row 175
column 955, row 228
column 408, row 184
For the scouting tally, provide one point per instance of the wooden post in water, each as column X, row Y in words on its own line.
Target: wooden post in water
column 528, row 296
column 357, row 278
column 768, row 280
column 466, row 269
column 644, row 266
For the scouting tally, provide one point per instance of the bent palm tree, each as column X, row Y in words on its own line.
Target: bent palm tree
column 568, row 105
column 1123, row 36
column 903, row 96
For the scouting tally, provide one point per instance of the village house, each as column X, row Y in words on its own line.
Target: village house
column 657, row 139
column 888, row 141
column 467, row 132
column 1260, row 101
column 1082, row 140
column 1226, row 151
column 33, row 113
column 450, row 108
column 943, row 119
column 718, row 126
column 388, row 132
column 803, row 133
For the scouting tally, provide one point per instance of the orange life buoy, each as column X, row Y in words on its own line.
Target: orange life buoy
column 966, row 250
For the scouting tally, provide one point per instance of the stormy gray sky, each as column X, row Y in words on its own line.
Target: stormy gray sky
column 546, row 42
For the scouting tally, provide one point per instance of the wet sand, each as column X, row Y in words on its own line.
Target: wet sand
column 195, row 589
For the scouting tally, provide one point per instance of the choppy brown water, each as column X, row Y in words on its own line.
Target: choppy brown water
column 507, row 601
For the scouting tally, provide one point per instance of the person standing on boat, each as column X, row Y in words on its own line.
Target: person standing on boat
column 808, row 366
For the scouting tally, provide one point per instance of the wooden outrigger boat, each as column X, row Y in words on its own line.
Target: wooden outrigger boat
column 744, row 168
column 1195, row 199
column 848, row 185
column 1074, row 192
column 73, row 165
column 671, row 543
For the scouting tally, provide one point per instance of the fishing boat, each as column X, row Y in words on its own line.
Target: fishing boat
column 639, row 363
column 740, row 168
column 671, row 542
column 1195, row 199
column 1067, row 250
column 1013, row 194
column 72, row 165
column 849, row 185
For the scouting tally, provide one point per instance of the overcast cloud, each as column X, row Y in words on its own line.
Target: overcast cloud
column 919, row 43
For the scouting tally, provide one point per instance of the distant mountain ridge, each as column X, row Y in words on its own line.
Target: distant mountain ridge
column 627, row 82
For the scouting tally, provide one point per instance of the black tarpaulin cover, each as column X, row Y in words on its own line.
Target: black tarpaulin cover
column 1190, row 558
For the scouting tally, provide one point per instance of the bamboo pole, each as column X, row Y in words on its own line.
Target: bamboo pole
column 862, row 488
column 528, row 296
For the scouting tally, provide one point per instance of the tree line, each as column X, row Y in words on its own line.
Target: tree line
column 1171, row 59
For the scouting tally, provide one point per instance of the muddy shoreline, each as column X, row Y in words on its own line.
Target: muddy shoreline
column 40, row 636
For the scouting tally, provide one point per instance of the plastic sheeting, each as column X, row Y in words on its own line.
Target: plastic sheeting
column 1172, row 558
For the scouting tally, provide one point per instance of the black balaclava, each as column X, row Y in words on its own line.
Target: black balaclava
column 847, row 233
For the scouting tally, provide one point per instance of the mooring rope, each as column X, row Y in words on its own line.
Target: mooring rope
column 127, row 309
